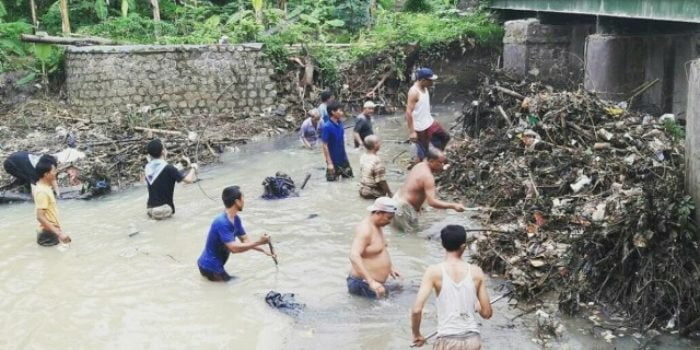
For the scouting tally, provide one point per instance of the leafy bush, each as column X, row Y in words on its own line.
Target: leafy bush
column 416, row 6
column 131, row 29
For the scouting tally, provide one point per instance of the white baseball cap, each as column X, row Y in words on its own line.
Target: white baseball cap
column 384, row 204
column 369, row 104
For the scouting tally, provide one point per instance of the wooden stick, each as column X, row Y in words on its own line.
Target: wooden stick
column 508, row 92
column 159, row 131
column 505, row 116
column 272, row 251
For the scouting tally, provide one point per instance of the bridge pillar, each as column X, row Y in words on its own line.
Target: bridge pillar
column 546, row 52
column 616, row 65
column 692, row 149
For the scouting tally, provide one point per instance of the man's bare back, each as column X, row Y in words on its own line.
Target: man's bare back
column 419, row 186
column 413, row 189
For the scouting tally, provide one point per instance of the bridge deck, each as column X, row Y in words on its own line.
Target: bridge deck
column 662, row 10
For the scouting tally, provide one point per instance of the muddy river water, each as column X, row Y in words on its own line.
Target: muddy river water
column 127, row 282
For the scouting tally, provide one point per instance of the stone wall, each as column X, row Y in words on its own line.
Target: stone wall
column 546, row 52
column 184, row 79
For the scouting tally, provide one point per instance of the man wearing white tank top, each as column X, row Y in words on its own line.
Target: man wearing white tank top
column 423, row 129
column 459, row 287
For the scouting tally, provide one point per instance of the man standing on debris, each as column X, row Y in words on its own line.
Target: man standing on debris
column 221, row 240
column 161, row 178
column 21, row 165
column 333, row 137
column 373, row 181
column 326, row 98
column 50, row 231
column 363, row 124
column 423, row 129
column 369, row 257
column 418, row 188
column 458, row 286
column 310, row 129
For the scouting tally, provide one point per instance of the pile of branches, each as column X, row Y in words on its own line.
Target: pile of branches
column 590, row 198
column 114, row 146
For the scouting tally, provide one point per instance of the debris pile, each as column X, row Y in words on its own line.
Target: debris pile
column 111, row 148
column 588, row 198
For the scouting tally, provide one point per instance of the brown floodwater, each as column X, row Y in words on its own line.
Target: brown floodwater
column 113, row 289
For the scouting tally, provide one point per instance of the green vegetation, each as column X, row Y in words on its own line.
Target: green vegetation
column 366, row 27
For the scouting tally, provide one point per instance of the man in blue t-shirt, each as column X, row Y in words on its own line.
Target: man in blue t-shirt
column 333, row 137
column 221, row 239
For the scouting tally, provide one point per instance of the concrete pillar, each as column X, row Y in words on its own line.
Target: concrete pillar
column 618, row 64
column 546, row 52
column 692, row 149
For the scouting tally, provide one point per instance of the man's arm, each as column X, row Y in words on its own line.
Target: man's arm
column 426, row 286
column 54, row 185
column 191, row 176
column 482, row 293
column 410, row 106
column 433, row 201
column 358, row 139
column 385, row 187
column 327, row 156
column 241, row 247
column 305, row 142
column 245, row 239
column 359, row 243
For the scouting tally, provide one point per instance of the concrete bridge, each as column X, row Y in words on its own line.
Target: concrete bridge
column 658, row 10
column 646, row 52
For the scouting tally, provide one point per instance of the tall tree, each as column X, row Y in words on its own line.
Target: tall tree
column 32, row 6
column 156, row 10
column 65, row 20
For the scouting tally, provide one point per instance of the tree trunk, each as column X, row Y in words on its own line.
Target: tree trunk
column 81, row 41
column 156, row 10
column 65, row 20
column 32, row 6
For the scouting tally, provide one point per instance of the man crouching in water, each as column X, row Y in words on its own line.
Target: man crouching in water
column 371, row 264
column 461, row 293
column 419, row 188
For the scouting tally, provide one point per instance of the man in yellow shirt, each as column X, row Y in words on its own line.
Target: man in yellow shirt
column 49, row 232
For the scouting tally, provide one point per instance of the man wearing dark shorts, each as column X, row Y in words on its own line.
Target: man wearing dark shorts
column 160, row 180
column 370, row 263
column 21, row 165
column 423, row 129
column 333, row 137
column 221, row 240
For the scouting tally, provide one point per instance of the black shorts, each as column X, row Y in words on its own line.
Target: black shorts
column 339, row 171
column 215, row 276
column 46, row 239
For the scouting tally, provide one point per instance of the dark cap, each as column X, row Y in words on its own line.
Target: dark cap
column 425, row 73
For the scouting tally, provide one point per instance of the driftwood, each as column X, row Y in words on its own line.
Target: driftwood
column 159, row 131
column 508, row 92
column 79, row 41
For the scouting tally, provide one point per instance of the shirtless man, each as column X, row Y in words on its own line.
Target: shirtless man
column 461, row 292
column 371, row 264
column 423, row 129
column 418, row 189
